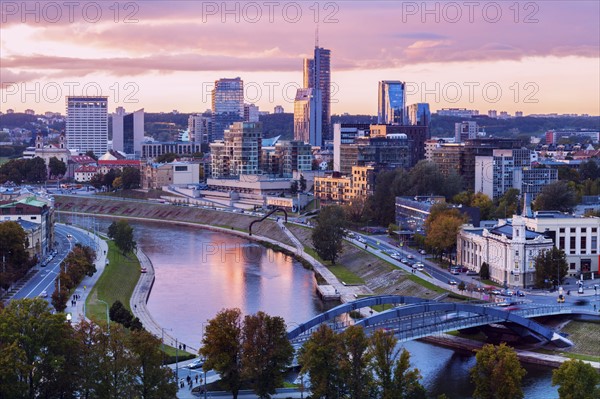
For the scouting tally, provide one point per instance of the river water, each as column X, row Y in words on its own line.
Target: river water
column 199, row 272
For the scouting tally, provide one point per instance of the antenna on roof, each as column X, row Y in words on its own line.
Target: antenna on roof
column 317, row 36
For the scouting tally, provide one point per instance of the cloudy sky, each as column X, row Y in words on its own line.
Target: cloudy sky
column 535, row 57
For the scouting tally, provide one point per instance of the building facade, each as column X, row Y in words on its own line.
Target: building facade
column 317, row 75
column 153, row 149
column 391, row 103
column 418, row 114
column 227, row 105
column 128, row 131
column 33, row 210
column 239, row 153
column 87, row 124
column 307, row 117
column 200, row 128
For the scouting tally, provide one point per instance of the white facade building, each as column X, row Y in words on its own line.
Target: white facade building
column 87, row 124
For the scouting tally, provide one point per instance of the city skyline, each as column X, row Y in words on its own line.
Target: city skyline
column 163, row 57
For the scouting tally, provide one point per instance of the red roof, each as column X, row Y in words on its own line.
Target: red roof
column 82, row 159
column 118, row 162
column 85, row 169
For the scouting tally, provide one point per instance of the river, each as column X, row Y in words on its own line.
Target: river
column 199, row 272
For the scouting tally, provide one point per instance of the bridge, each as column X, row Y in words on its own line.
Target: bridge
column 415, row 318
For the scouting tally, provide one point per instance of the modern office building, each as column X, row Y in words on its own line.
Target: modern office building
column 418, row 114
column 511, row 168
column 464, row 131
column 227, row 105
column 128, row 131
column 344, row 134
column 200, row 128
column 87, row 124
column 153, row 149
column 391, row 103
column 307, row 117
column 317, row 75
column 416, row 135
column 239, row 152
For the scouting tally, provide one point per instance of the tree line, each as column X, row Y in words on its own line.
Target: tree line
column 44, row 356
column 77, row 264
column 14, row 258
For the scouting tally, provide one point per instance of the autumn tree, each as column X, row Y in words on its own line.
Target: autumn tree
column 14, row 258
column 508, row 204
column 328, row 234
column 222, row 347
column 497, row 373
column 550, row 267
column 442, row 226
column 576, row 380
column 320, row 359
column 266, row 352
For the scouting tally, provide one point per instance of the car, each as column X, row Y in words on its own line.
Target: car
column 43, row 294
column 423, row 252
column 420, row 268
column 196, row 364
column 560, row 299
column 69, row 236
column 404, row 260
column 143, row 270
column 520, row 293
column 495, row 292
column 396, row 256
column 452, row 282
column 454, row 271
column 472, row 273
column 411, row 257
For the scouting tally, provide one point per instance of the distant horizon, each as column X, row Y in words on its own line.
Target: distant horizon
column 534, row 57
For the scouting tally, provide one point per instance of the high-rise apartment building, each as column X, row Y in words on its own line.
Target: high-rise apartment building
column 317, row 75
column 227, row 105
column 391, row 102
column 200, row 128
column 128, row 131
column 251, row 113
column 307, row 117
column 87, row 124
column 464, row 131
column 239, row 152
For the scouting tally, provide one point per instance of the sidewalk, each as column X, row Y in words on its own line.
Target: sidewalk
column 78, row 311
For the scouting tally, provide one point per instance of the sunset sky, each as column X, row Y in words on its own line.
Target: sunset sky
column 535, row 57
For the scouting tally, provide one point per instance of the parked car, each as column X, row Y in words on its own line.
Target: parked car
column 43, row 294
column 423, row 252
column 196, row 364
column 410, row 256
column 452, row 282
column 143, row 270
column 404, row 260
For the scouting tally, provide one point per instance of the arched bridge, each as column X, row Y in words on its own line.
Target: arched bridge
column 418, row 318
column 266, row 216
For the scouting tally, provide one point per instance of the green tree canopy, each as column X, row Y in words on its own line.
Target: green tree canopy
column 558, row 196
column 576, row 380
column 131, row 178
column 328, row 234
column 122, row 234
column 167, row 158
column 57, row 167
column 550, row 268
column 14, row 258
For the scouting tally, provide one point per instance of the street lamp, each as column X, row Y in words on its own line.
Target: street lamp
column 107, row 318
column 162, row 329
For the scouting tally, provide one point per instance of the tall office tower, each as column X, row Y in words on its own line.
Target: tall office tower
column 251, row 113
column 307, row 117
column 317, row 75
column 227, row 105
column 87, row 124
column 128, row 131
column 392, row 101
column 418, row 114
column 200, row 128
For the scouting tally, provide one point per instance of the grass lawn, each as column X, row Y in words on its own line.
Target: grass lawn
column 136, row 194
column 116, row 283
column 342, row 273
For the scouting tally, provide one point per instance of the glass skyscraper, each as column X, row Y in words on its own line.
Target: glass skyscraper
column 419, row 114
column 317, row 75
column 392, row 103
column 227, row 105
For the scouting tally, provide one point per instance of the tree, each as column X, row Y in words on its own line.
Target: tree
column 485, row 205
column 221, row 346
column 37, row 172
column 266, row 352
column 57, row 167
column 122, row 234
column 167, row 158
column 110, row 177
column 484, row 271
column 508, row 203
column 117, row 183
column 550, row 266
column 442, row 226
column 328, row 234
column 576, row 380
column 15, row 259
column 294, row 187
column 37, row 356
column 91, row 154
column 497, row 373
column 302, row 183
column 320, row 358
column 557, row 196
column 120, row 314
column 355, row 362
column 356, row 209
column 131, row 178
column 97, row 180
column 589, row 170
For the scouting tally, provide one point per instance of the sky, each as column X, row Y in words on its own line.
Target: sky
column 530, row 56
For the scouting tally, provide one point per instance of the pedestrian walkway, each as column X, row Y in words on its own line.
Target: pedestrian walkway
column 77, row 310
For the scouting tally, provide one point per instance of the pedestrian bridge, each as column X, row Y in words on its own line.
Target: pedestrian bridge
column 415, row 318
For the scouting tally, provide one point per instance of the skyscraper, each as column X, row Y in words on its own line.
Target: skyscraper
column 392, row 102
column 200, row 128
column 307, row 117
column 418, row 114
column 317, row 75
column 227, row 105
column 128, row 131
column 87, row 124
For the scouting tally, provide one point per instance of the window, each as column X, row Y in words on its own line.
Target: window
column 572, row 266
column 583, row 243
column 594, row 229
column 34, row 218
column 594, row 244
column 561, row 242
column 573, row 229
column 561, row 230
column 572, row 244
